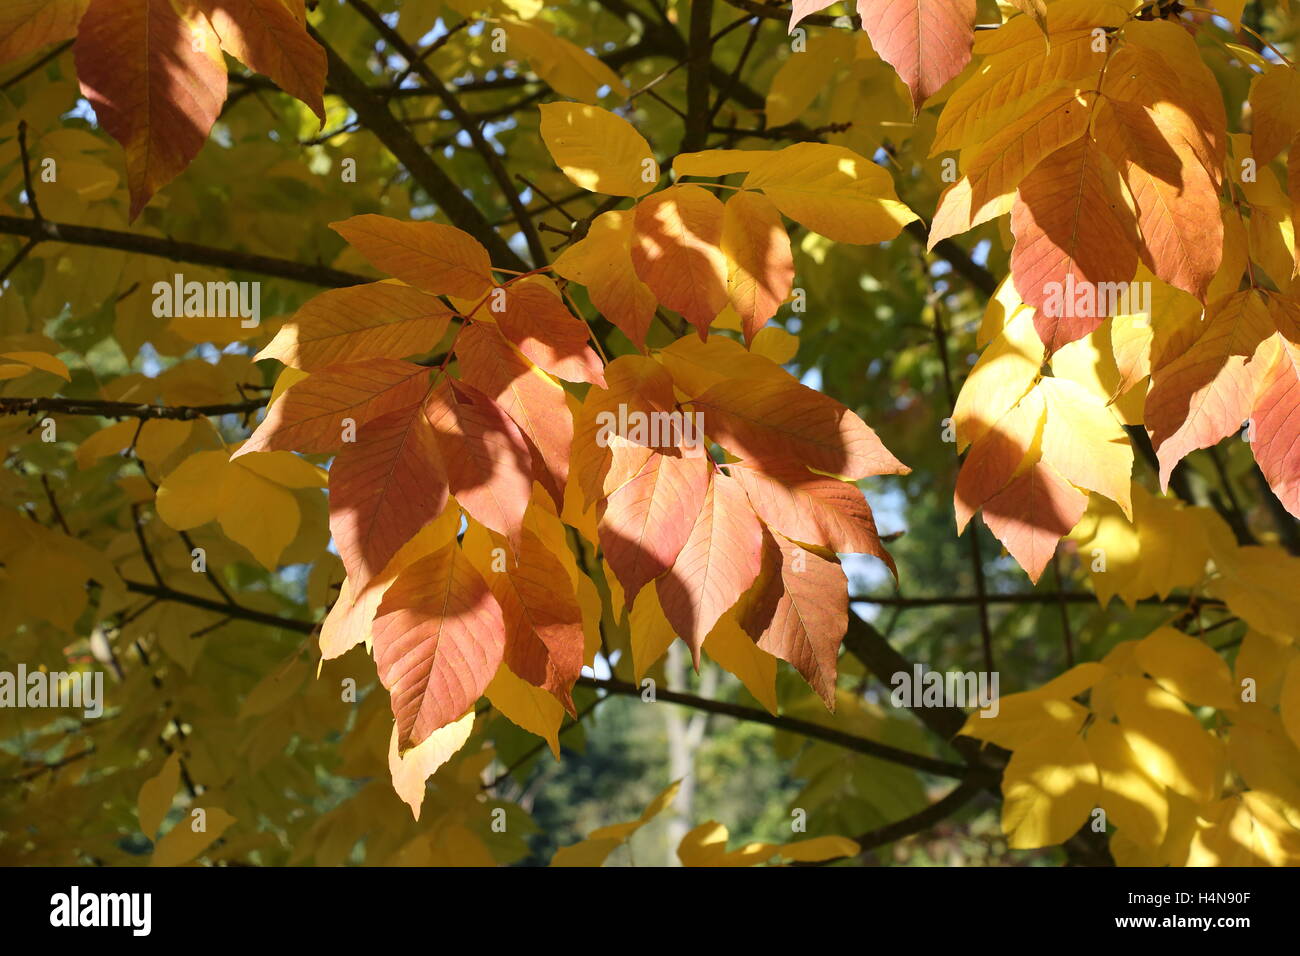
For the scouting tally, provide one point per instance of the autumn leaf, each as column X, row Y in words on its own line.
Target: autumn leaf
column 598, row 150
column 384, row 487
column 438, row 637
column 777, row 421
column 428, row 255
column 132, row 58
column 675, row 252
column 320, row 413
column 717, row 564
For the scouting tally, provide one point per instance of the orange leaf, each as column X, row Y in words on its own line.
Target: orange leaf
column 156, row 79
column 488, row 463
column 800, row 612
column 533, row 400
column 675, row 252
column 1206, row 391
column 1177, row 202
column 777, row 421
column 438, row 641
column 813, row 509
column 760, row 266
column 376, row 320
column 644, row 524
column 927, row 42
column 1276, row 422
column 543, row 621
column 384, row 488
column 312, row 415
column 264, row 36
column 536, row 320
column 437, row 258
column 1073, row 231
column 1031, row 514
column 28, row 25
column 718, row 563
column 602, row 261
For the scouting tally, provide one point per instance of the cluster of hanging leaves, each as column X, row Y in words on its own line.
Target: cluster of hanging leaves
column 1106, row 141
column 702, row 470
column 519, row 463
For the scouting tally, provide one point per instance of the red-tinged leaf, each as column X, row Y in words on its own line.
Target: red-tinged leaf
column 543, row 621
column 533, row 400
column 28, row 25
column 1177, row 202
column 635, row 385
column 760, row 266
column 264, row 36
column 778, row 422
column 675, row 252
column 996, row 456
column 718, row 563
column 377, row 320
column 539, row 324
column 1276, row 424
column 644, row 524
column 384, row 488
column 437, row 258
column 602, row 262
column 813, row 509
column 1072, row 231
column 1031, row 514
column 927, row 42
column 439, row 637
column 487, row 459
column 154, row 73
column 311, row 416
column 1206, row 392
column 802, row 613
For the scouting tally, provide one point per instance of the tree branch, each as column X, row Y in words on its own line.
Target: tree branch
column 861, row 745
column 493, row 162
column 178, row 251
column 107, row 409
column 372, row 111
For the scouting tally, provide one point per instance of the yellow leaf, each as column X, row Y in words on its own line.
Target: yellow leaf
column 1187, row 667
column 535, row 710
column 601, row 842
column 1049, row 787
column 198, row 830
column 1169, row 743
column 833, row 191
column 651, row 632
column 1005, row 371
column 40, row 360
column 736, row 651
column 1084, row 441
column 598, row 150
column 706, row 845
column 1133, row 800
column 156, row 795
column 568, row 69
column 411, row 769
